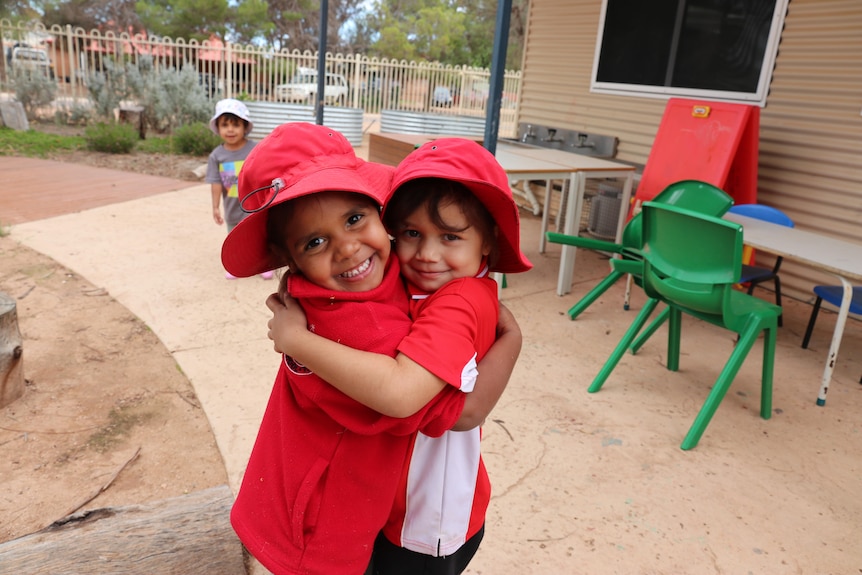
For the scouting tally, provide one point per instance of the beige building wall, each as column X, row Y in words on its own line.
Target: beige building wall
column 810, row 162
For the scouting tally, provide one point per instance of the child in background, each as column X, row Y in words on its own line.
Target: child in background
column 454, row 220
column 324, row 469
column 232, row 123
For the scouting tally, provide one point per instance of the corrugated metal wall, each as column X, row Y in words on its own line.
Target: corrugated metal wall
column 810, row 130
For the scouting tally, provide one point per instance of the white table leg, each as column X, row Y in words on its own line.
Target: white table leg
column 624, row 206
column 546, row 214
column 837, row 335
column 574, row 207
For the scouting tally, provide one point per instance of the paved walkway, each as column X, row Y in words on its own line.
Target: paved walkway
column 36, row 189
column 582, row 483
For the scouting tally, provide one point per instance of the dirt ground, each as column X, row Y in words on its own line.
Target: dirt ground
column 107, row 417
column 102, row 396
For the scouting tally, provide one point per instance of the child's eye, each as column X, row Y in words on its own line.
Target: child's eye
column 354, row 219
column 451, row 237
column 316, row 242
column 410, row 234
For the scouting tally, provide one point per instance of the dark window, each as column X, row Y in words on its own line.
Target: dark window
column 716, row 48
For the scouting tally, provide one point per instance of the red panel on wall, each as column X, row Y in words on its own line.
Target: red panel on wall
column 713, row 142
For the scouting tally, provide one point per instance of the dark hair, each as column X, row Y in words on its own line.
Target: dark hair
column 432, row 193
column 232, row 117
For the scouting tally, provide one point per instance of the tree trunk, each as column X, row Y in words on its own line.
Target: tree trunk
column 182, row 535
column 11, row 353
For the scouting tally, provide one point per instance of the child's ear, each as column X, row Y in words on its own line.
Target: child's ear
column 488, row 247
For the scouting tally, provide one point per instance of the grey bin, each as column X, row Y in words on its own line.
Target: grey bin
column 605, row 211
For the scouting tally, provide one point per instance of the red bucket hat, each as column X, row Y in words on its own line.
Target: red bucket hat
column 295, row 159
column 468, row 163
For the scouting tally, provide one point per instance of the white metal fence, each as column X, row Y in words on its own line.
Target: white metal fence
column 262, row 74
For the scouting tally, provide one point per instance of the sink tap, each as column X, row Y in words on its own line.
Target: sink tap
column 552, row 133
column 582, row 142
column 530, row 134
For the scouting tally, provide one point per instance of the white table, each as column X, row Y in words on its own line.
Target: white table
column 520, row 166
column 841, row 258
column 528, row 162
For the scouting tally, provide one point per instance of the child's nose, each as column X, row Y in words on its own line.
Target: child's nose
column 428, row 251
column 347, row 246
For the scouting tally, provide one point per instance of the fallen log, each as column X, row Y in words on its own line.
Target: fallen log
column 185, row 535
column 11, row 353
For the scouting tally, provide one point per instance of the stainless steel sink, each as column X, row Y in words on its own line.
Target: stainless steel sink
column 537, row 136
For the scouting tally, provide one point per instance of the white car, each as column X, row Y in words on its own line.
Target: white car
column 303, row 88
column 31, row 60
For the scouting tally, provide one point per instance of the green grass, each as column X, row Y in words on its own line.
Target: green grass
column 156, row 145
column 35, row 144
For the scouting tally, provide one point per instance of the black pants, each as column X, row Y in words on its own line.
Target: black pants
column 389, row 559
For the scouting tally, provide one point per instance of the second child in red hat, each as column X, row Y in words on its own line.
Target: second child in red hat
column 454, row 221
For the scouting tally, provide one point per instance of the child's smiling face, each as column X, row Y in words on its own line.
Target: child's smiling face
column 432, row 256
column 337, row 241
column 231, row 129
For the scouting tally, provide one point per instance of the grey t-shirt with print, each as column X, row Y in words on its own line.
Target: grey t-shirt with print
column 224, row 167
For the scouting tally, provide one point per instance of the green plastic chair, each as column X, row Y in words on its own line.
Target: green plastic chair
column 690, row 194
column 691, row 262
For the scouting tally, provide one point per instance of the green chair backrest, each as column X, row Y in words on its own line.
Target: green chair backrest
column 691, row 259
column 696, row 196
column 692, row 195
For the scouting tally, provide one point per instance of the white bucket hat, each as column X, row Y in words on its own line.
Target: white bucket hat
column 231, row 106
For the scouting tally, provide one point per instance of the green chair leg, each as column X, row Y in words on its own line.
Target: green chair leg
column 651, row 329
column 674, row 333
column 769, row 337
column 719, row 390
column 618, row 352
column 594, row 294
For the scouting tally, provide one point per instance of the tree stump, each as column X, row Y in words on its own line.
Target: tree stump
column 134, row 115
column 182, row 535
column 11, row 353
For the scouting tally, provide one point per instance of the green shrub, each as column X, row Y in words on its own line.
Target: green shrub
column 33, row 90
column 111, row 138
column 195, row 140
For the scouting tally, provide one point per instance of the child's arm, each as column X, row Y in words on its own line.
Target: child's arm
column 397, row 387
column 216, row 199
column 494, row 372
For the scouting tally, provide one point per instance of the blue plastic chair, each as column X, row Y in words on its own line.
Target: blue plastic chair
column 833, row 295
column 754, row 275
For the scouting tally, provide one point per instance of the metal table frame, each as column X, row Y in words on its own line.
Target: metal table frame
column 840, row 258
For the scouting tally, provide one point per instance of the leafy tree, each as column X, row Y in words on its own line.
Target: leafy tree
column 189, row 19
column 251, row 21
column 20, row 10
column 115, row 15
column 297, row 23
column 452, row 32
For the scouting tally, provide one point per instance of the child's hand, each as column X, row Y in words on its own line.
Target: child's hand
column 288, row 322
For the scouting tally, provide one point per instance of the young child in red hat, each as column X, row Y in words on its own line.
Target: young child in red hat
column 454, row 220
column 324, row 469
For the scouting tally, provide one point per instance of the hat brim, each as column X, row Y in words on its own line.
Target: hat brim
column 505, row 213
column 245, row 251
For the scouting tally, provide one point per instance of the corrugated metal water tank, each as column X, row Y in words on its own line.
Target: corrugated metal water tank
column 266, row 116
column 404, row 122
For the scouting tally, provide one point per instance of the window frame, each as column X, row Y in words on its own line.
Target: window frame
column 648, row 91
